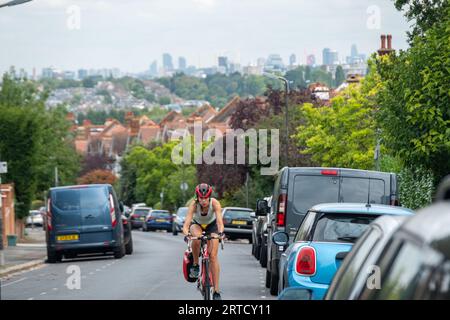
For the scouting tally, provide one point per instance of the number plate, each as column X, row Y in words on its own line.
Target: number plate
column 142, row 218
column 239, row 222
column 160, row 220
column 69, row 237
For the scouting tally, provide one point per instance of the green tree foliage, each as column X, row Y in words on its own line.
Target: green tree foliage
column 164, row 100
column 414, row 111
column 339, row 77
column 32, row 140
column 342, row 134
column 423, row 13
column 146, row 173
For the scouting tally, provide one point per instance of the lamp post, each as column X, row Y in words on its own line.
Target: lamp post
column 286, row 86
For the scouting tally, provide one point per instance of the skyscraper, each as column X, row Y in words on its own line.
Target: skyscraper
column 223, row 62
column 182, row 63
column 292, row 59
column 154, row 69
column 167, row 62
column 311, row 60
column 329, row 57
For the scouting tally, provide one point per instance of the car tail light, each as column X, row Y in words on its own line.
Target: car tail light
column 281, row 212
column 49, row 215
column 306, row 261
column 329, row 172
column 135, row 216
column 112, row 211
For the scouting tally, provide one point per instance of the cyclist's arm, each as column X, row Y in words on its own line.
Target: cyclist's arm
column 189, row 217
column 218, row 210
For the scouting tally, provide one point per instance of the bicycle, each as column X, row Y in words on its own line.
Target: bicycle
column 205, row 283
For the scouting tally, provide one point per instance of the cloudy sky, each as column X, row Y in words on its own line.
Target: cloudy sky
column 130, row 34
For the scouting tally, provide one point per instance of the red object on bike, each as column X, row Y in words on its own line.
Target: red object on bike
column 188, row 261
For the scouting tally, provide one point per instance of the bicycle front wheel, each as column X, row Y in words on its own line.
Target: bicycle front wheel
column 207, row 284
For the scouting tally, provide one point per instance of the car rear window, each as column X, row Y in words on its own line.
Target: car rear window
column 78, row 199
column 358, row 189
column 312, row 190
column 160, row 214
column 141, row 212
column 341, row 228
column 237, row 214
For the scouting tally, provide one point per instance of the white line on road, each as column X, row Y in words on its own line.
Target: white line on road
column 30, row 298
column 43, row 293
column 8, row 284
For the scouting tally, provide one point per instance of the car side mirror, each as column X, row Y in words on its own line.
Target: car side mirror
column 280, row 238
column 262, row 207
column 295, row 293
column 253, row 215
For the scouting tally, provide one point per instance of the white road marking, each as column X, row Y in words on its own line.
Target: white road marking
column 30, row 298
column 43, row 293
column 8, row 284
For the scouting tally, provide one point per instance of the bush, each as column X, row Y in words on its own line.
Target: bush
column 416, row 187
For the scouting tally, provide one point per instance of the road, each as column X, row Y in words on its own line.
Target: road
column 152, row 272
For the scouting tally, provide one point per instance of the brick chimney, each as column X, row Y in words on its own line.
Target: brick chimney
column 385, row 50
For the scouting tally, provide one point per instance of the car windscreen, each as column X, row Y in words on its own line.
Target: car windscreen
column 237, row 214
column 160, row 214
column 312, row 190
column 182, row 212
column 341, row 227
column 141, row 212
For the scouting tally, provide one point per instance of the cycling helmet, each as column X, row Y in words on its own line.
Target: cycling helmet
column 203, row 190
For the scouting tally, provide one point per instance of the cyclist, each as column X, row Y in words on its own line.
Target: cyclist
column 205, row 214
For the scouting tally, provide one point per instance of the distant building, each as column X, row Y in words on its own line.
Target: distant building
column 69, row 75
column 329, row 57
column 274, row 63
column 223, row 63
column 83, row 74
column 182, row 63
column 261, row 62
column 154, row 69
column 292, row 59
column 311, row 60
column 167, row 62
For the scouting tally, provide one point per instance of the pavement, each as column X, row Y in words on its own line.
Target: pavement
column 29, row 253
column 152, row 272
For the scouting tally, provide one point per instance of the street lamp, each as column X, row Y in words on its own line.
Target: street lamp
column 286, row 86
column 13, row 3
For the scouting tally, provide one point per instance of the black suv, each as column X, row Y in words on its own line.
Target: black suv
column 298, row 189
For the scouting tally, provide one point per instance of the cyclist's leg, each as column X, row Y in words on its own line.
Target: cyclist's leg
column 196, row 231
column 213, row 247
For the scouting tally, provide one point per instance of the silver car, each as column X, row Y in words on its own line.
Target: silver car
column 35, row 219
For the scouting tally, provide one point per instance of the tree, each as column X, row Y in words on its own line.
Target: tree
column 340, row 76
column 414, row 101
column 98, row 176
column 424, row 13
column 342, row 134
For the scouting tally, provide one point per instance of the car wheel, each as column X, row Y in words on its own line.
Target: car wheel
column 120, row 252
column 263, row 254
column 174, row 230
column 273, row 284
column 268, row 279
column 129, row 246
column 51, row 256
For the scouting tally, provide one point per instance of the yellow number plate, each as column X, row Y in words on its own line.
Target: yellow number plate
column 142, row 218
column 68, row 237
column 238, row 222
column 160, row 220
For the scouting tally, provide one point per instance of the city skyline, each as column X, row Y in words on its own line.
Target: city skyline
column 198, row 30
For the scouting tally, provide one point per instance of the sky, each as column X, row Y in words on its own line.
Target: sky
column 130, row 34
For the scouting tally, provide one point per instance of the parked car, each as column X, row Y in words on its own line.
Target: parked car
column 34, row 219
column 415, row 263
column 84, row 219
column 323, row 240
column 238, row 222
column 158, row 220
column 127, row 234
column 351, row 278
column 138, row 215
column 298, row 189
column 257, row 233
column 178, row 220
